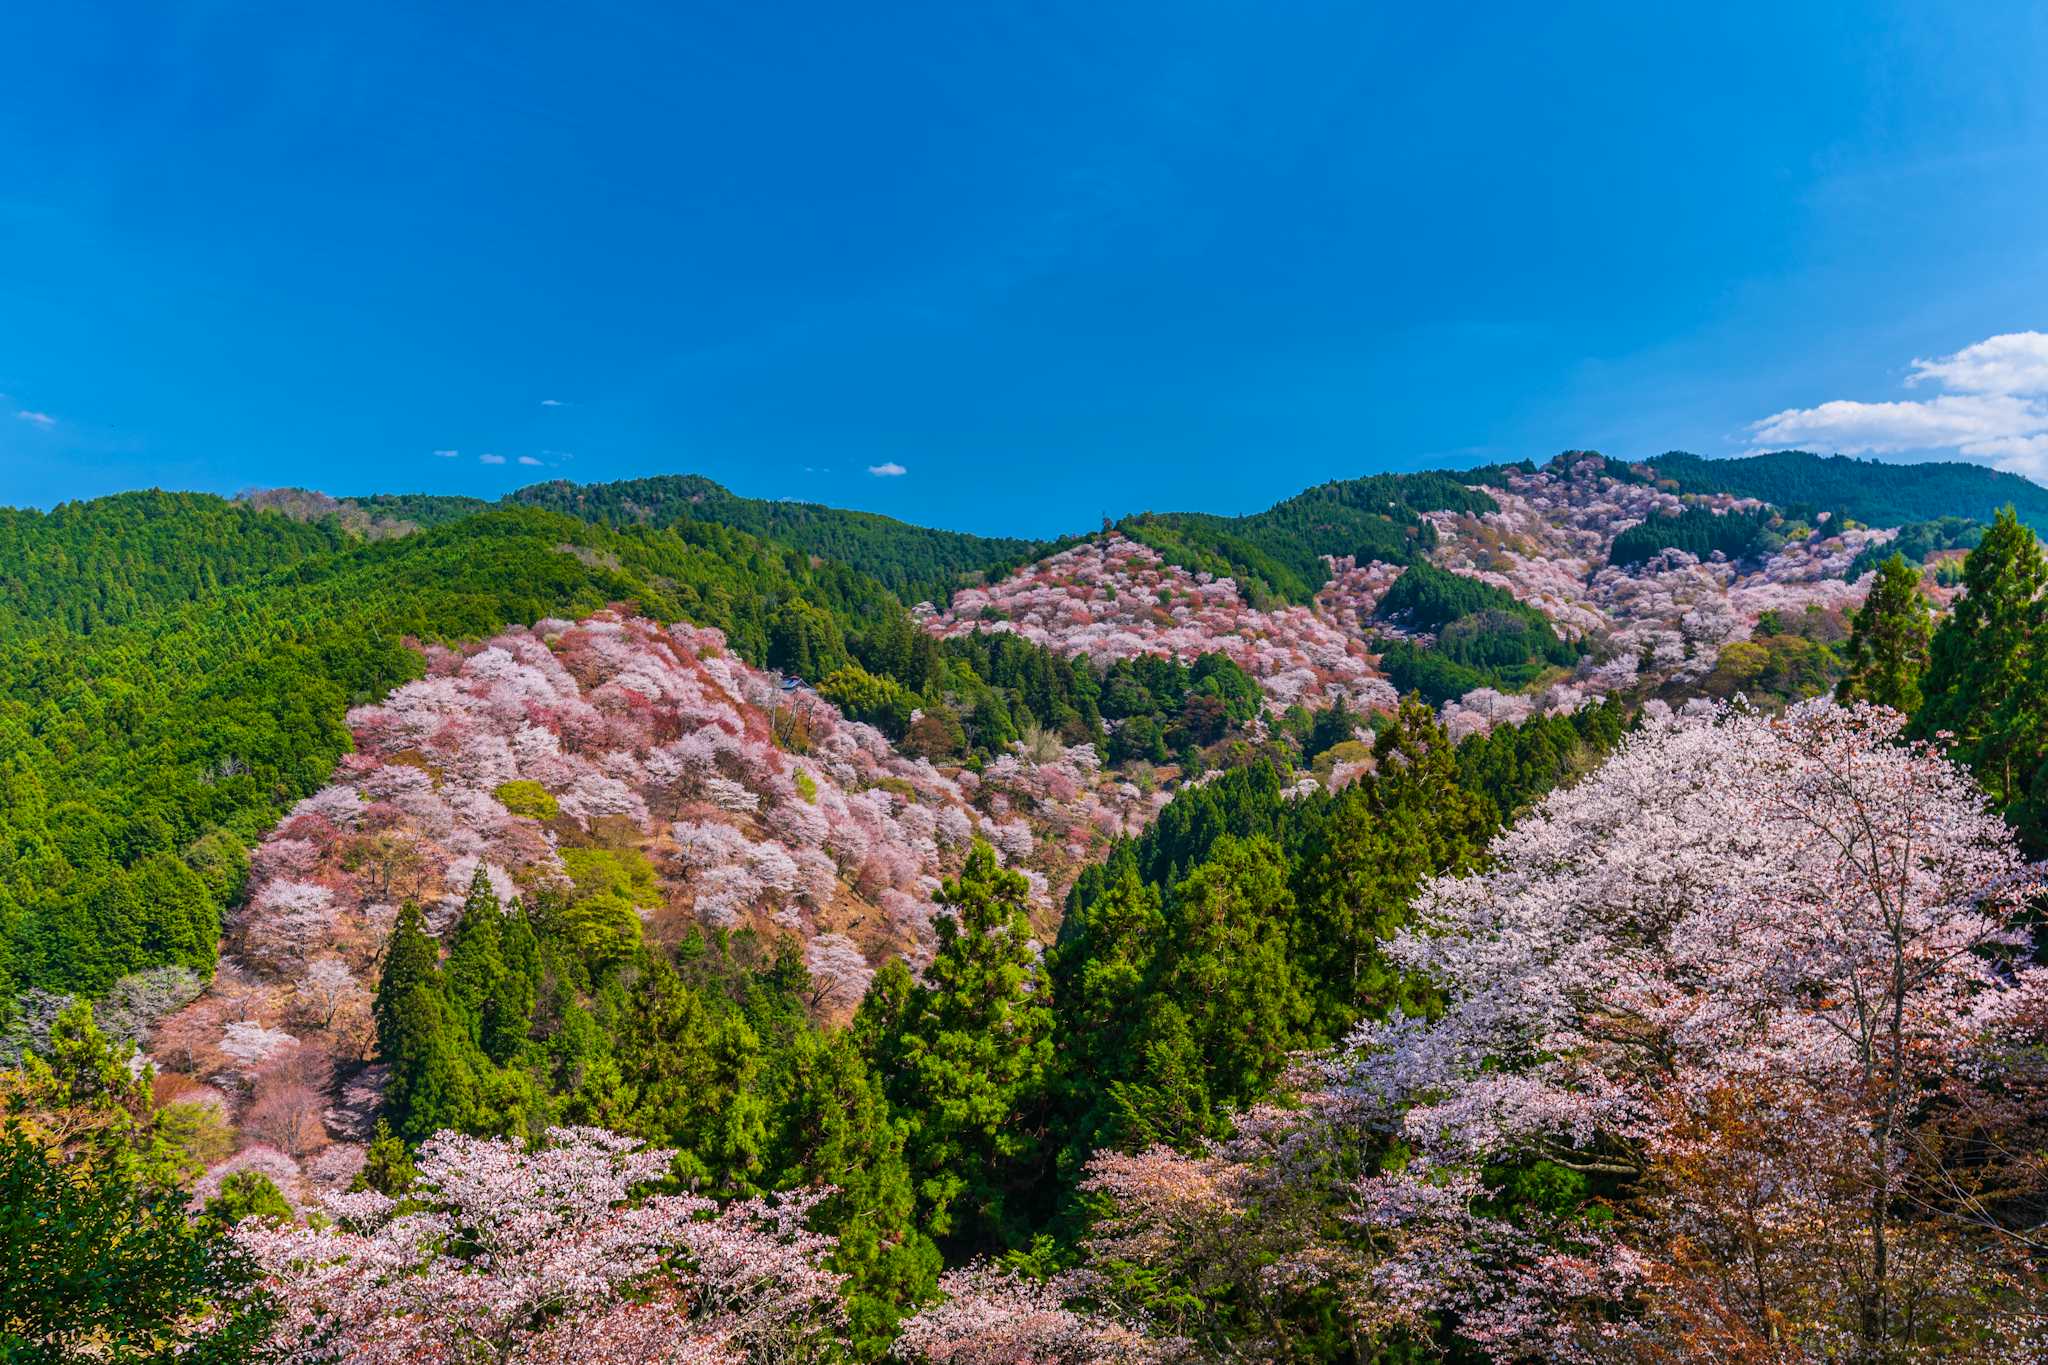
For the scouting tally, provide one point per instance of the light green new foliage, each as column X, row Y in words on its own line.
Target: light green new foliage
column 529, row 799
column 612, row 886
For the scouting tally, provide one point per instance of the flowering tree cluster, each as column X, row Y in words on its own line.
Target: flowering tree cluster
column 1112, row 598
column 535, row 757
column 1663, row 620
column 993, row 1317
column 1739, row 1059
column 1770, row 971
column 505, row 1253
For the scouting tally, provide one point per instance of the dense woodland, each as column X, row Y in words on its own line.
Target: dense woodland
column 1873, row 491
column 1279, row 554
column 1608, row 1035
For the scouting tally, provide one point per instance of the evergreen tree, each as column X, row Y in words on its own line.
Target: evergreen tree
column 411, row 958
column 432, row 1085
column 1887, row 650
column 1102, row 973
column 387, row 1166
column 972, row 1052
column 102, row 1266
column 831, row 1125
column 507, row 1017
column 247, row 1194
column 1358, row 870
column 1231, row 971
column 475, row 970
column 688, row 1076
column 1981, row 657
column 1166, row 1098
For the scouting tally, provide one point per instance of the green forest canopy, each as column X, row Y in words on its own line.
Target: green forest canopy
column 1874, row 492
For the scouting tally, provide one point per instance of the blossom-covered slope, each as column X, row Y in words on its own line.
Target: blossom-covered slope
column 1657, row 625
column 1549, row 546
column 1112, row 598
column 610, row 756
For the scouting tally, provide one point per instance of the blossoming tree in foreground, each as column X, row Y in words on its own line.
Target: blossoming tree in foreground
column 1738, row 1060
column 503, row 1253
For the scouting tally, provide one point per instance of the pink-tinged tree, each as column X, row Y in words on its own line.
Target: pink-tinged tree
column 1753, row 989
column 1757, row 969
column 992, row 1317
column 504, row 1253
column 284, row 922
column 839, row 972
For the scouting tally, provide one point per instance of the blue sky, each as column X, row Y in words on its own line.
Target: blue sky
column 1049, row 261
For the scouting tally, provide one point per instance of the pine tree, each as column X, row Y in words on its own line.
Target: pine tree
column 475, row 971
column 1888, row 646
column 1981, row 657
column 831, row 1125
column 411, row 958
column 973, row 1053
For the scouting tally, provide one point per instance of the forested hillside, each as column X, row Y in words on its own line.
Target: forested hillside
column 144, row 751
column 1872, row 491
column 915, row 562
column 1552, row 913
column 1279, row 555
column 87, row 565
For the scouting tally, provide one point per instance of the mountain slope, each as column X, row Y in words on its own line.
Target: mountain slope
column 917, row 563
column 1871, row 491
column 1277, row 555
column 84, row 566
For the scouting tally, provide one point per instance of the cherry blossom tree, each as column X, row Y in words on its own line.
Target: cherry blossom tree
column 992, row 1317
column 1746, row 966
column 839, row 972
column 506, row 1253
column 1756, row 987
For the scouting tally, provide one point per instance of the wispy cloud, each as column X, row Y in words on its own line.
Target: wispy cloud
column 490, row 459
column 40, row 419
column 528, row 459
column 891, row 470
column 1994, row 408
column 447, row 454
column 552, row 403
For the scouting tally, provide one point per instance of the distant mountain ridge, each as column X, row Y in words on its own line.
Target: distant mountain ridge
column 1871, row 491
column 915, row 562
column 1276, row 555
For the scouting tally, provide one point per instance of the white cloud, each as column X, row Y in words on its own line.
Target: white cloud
column 891, row 470
column 551, row 402
column 447, row 454
column 528, row 459
column 1996, row 409
column 41, row 419
column 2015, row 363
column 491, row 459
